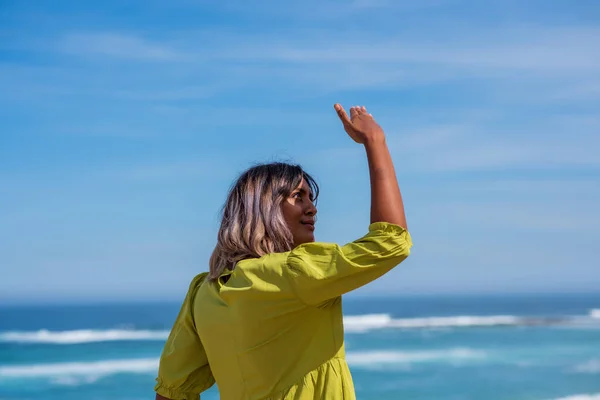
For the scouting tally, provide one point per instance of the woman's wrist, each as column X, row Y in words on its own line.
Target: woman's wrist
column 376, row 141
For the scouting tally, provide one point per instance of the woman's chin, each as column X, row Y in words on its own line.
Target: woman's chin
column 304, row 239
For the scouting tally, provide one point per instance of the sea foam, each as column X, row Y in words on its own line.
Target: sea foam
column 387, row 357
column 352, row 324
column 81, row 336
column 68, row 373
column 581, row 397
column 589, row 367
column 365, row 323
column 74, row 369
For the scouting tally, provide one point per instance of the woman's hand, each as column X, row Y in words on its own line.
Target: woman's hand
column 361, row 126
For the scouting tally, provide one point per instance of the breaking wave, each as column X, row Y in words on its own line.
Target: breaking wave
column 352, row 324
column 64, row 372
column 365, row 323
column 81, row 336
column 588, row 367
column 595, row 396
column 76, row 373
column 386, row 357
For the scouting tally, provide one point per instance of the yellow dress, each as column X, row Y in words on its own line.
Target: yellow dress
column 273, row 330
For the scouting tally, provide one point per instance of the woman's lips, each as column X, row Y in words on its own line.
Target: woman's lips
column 309, row 225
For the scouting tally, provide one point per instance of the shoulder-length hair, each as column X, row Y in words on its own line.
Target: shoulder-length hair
column 252, row 222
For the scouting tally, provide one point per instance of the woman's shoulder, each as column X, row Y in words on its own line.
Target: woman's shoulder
column 198, row 279
column 266, row 263
column 264, row 274
column 195, row 284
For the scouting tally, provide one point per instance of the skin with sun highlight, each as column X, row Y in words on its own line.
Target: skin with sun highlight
column 299, row 212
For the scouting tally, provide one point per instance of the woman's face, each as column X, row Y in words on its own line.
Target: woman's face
column 299, row 213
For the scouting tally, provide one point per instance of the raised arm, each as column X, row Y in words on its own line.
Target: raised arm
column 319, row 272
column 386, row 200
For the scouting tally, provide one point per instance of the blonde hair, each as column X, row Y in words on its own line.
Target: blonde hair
column 252, row 222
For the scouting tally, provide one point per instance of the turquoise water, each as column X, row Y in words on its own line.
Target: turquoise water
column 519, row 347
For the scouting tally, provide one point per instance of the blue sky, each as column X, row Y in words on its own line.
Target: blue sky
column 123, row 123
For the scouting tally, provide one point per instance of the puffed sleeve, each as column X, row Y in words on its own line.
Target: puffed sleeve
column 321, row 271
column 184, row 372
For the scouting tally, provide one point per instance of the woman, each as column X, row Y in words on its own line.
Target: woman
column 266, row 321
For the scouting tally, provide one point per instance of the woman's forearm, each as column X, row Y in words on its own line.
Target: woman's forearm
column 386, row 199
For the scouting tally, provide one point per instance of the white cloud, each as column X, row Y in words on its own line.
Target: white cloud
column 116, row 45
column 543, row 49
column 533, row 65
column 512, row 216
column 539, row 189
column 589, row 91
column 209, row 168
column 555, row 143
column 321, row 11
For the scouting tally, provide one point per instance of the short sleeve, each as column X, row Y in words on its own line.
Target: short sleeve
column 184, row 372
column 323, row 271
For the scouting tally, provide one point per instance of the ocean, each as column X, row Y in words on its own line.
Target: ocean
column 534, row 347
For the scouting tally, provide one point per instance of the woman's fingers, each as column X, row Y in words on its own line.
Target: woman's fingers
column 342, row 114
column 363, row 111
column 355, row 111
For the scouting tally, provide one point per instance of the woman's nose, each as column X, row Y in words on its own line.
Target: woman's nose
column 312, row 209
